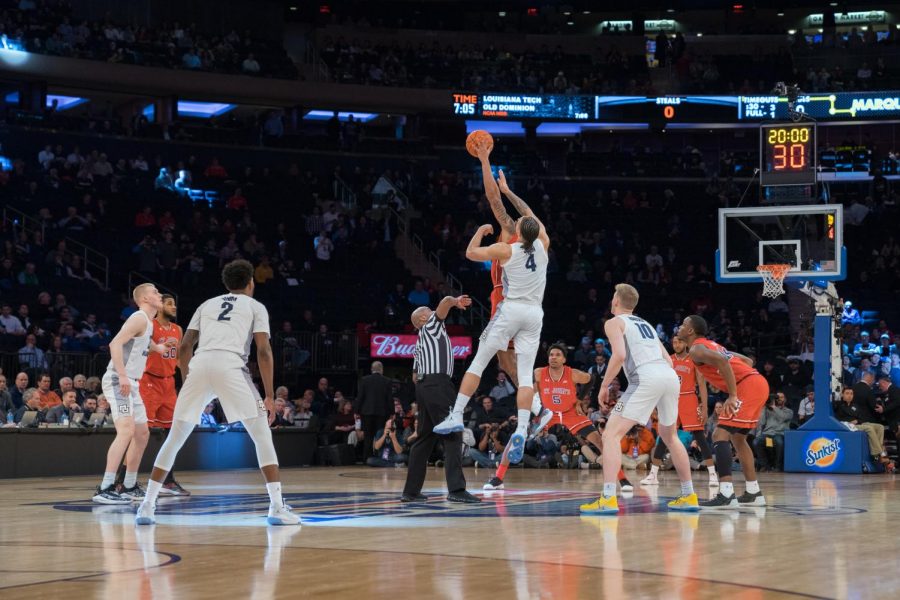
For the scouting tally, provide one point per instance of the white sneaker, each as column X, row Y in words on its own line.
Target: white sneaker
column 536, row 405
column 451, row 424
column 544, row 417
column 650, row 480
column 146, row 513
column 713, row 480
column 282, row 515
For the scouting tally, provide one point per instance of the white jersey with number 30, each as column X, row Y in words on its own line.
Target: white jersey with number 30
column 641, row 344
column 228, row 323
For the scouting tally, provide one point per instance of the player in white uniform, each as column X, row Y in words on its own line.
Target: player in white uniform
column 519, row 318
column 225, row 326
column 128, row 354
column 652, row 383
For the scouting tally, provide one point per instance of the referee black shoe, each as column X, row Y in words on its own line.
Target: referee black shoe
column 410, row 498
column 463, row 497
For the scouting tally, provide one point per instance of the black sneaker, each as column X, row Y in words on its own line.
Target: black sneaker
column 748, row 499
column 109, row 495
column 406, row 498
column 720, row 501
column 172, row 488
column 463, row 497
column 135, row 493
column 626, row 485
column 494, row 484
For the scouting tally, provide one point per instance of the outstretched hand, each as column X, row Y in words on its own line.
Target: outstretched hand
column 501, row 181
column 463, row 302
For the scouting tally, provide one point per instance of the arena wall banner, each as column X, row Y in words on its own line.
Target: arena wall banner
column 398, row 345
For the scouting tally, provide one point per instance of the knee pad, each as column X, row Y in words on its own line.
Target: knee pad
column 175, row 439
column 525, row 370
column 258, row 430
column 482, row 357
column 659, row 452
column 722, row 454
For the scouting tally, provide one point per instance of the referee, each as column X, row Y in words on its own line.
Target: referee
column 435, row 394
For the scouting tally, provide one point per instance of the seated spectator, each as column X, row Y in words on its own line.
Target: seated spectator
column 387, row 449
column 283, row 414
column 183, row 183
column 30, row 401
column 303, row 415
column 584, row 355
column 207, row 418
column 65, row 385
column 774, row 421
column 6, row 403
column 28, row 276
column 90, row 406
column 18, row 389
column 486, row 415
column 858, row 417
column 250, row 66
column 344, row 422
column 494, row 437
column 164, row 181
column 887, row 405
column 865, row 348
column 31, row 357
column 503, row 391
column 215, row 170
column 807, row 406
column 237, row 201
column 10, row 322
column 542, row 451
column 47, row 397
column 418, row 296
column 323, row 400
column 636, row 447
column 145, row 219
column 66, row 409
column 79, row 383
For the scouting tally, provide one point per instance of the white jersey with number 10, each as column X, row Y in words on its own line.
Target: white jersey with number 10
column 641, row 345
column 228, row 323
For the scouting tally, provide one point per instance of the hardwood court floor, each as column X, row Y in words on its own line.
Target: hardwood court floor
column 821, row 536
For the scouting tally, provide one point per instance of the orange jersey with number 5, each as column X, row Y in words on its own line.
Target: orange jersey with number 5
column 163, row 365
column 558, row 395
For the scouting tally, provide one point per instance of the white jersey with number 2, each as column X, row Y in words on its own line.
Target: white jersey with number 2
column 228, row 323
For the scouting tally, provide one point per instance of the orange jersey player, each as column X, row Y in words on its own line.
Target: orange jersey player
column 747, row 394
column 556, row 385
column 158, row 383
column 692, row 412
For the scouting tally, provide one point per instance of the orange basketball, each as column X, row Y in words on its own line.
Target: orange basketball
column 479, row 136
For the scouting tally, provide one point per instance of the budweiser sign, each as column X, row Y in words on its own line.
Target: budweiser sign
column 390, row 345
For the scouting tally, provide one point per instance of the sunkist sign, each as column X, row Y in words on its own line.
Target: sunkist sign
column 822, row 452
column 395, row 345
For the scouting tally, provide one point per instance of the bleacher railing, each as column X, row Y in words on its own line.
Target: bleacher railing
column 94, row 261
column 334, row 352
column 343, row 193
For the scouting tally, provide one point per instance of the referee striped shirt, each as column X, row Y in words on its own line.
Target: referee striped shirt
column 433, row 352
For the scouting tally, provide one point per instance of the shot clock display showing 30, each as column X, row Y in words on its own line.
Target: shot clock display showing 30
column 787, row 154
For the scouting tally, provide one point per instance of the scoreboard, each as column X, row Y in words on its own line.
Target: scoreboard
column 787, row 154
column 843, row 106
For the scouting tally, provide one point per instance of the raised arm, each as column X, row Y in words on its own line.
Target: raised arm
column 517, row 202
column 507, row 223
column 580, row 377
column 461, row 302
column 479, row 253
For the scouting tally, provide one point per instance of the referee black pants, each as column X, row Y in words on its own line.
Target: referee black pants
column 434, row 396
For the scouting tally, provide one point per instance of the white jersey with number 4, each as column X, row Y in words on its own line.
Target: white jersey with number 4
column 641, row 345
column 525, row 274
column 228, row 322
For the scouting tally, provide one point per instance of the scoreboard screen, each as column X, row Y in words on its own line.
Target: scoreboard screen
column 524, row 106
column 787, row 154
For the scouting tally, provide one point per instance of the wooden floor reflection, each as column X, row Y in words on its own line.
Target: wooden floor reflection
column 821, row 536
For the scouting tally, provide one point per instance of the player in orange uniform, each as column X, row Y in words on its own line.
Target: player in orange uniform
column 747, row 395
column 158, row 382
column 556, row 385
column 692, row 410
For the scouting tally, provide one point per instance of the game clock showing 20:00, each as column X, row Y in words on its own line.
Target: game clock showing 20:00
column 787, row 154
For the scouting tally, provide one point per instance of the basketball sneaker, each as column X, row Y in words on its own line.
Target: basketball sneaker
column 109, row 495
column 685, row 503
column 543, row 418
column 748, row 499
column 451, row 424
column 720, row 501
column 536, row 406
column 282, row 515
column 516, row 448
column 135, row 493
column 626, row 485
column 650, row 479
column 601, row 506
column 713, row 480
column 172, row 488
column 146, row 513
column 494, row 484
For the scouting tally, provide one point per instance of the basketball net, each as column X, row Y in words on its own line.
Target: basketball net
column 773, row 279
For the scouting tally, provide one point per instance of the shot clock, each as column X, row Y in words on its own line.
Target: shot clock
column 787, row 154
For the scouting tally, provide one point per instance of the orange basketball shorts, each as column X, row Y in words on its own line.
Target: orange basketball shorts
column 752, row 391
column 159, row 395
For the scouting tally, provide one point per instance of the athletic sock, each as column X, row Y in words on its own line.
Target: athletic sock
column 524, row 420
column 152, row 492
column 711, row 469
column 753, row 487
column 687, row 488
column 654, row 469
column 726, row 488
column 501, row 471
column 621, row 475
column 130, row 479
column 108, row 479
column 274, row 489
column 609, row 490
column 460, row 405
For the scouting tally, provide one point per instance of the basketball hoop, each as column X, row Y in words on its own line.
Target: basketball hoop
column 773, row 279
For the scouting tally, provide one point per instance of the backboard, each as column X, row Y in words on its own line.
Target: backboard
column 807, row 237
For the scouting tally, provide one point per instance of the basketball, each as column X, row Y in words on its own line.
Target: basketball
column 477, row 136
